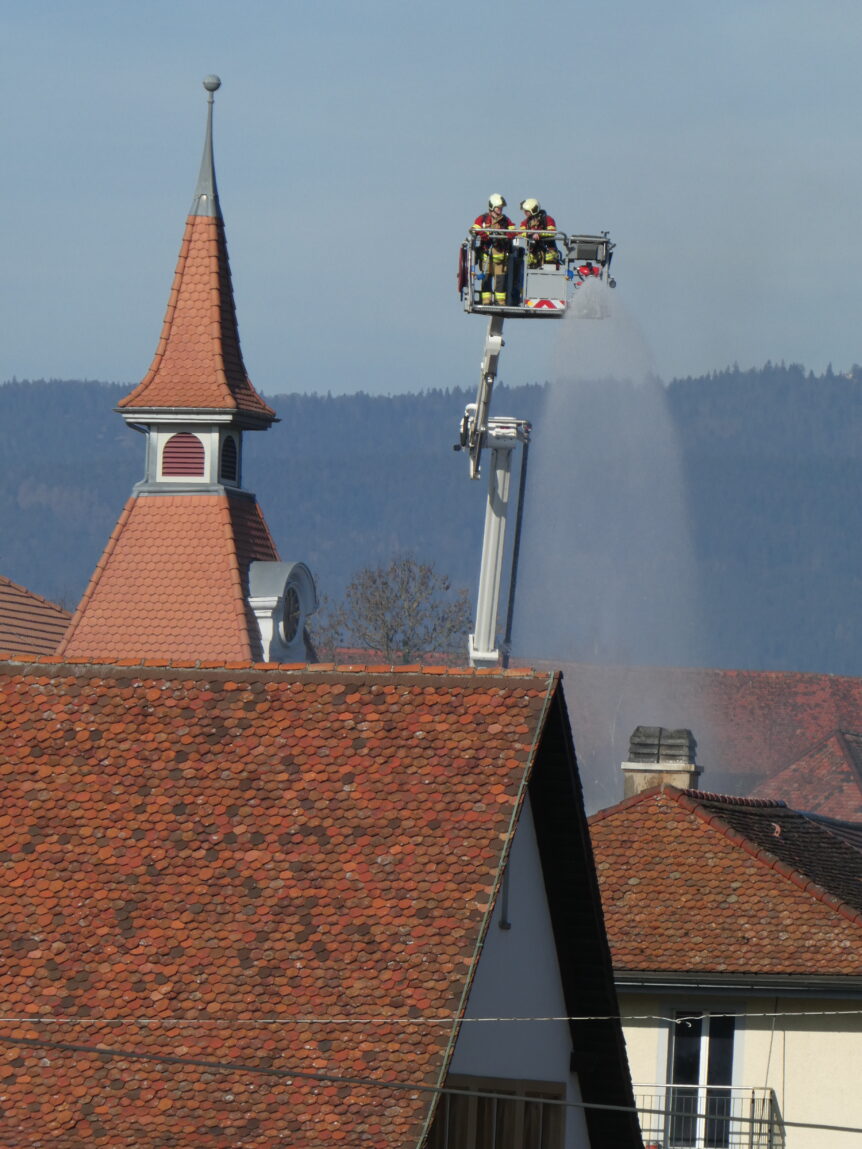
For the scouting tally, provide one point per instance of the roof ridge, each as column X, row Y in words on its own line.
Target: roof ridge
column 771, row 861
column 11, row 660
column 812, row 748
column 627, row 803
column 734, row 799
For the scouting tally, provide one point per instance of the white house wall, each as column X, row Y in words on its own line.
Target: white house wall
column 519, row 976
column 812, row 1063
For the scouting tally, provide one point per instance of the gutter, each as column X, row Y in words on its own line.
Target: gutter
column 797, row 985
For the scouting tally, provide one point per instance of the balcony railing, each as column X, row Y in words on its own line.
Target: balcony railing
column 708, row 1117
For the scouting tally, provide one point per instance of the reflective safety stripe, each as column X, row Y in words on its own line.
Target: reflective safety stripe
column 546, row 304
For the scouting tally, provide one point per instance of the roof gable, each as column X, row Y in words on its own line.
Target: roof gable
column 696, row 882
column 237, row 867
column 827, row 779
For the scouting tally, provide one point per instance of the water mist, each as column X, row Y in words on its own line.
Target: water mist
column 606, row 573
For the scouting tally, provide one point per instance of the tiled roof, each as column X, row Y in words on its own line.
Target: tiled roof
column 198, row 362
column 218, row 866
column 749, row 725
column 29, row 624
column 172, row 582
column 695, row 882
column 828, row 779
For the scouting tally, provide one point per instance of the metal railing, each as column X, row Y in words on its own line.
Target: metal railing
column 708, row 1117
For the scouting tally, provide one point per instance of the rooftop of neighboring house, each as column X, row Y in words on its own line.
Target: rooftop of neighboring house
column 694, row 882
column 828, row 779
column 220, row 872
column 29, row 624
column 751, row 726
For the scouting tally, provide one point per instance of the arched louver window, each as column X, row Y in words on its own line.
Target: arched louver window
column 183, row 455
column 229, row 460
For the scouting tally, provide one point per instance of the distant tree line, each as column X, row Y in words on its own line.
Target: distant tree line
column 771, row 462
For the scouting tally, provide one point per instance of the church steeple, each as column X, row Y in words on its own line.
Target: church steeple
column 191, row 570
column 198, row 365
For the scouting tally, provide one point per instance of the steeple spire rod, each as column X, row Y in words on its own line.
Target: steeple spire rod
column 205, row 201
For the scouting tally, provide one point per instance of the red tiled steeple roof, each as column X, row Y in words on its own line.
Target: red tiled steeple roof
column 29, row 624
column 198, row 363
column 695, row 882
column 172, row 582
column 289, row 871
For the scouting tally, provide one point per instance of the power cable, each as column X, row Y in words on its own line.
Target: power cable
column 371, row 1082
column 400, row 1020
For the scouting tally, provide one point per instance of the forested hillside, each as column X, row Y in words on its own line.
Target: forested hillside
column 770, row 461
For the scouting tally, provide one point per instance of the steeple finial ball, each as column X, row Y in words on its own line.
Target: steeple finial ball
column 212, row 83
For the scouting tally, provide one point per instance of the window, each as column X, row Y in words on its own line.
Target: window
column 229, row 460
column 701, row 1073
column 521, row 1115
column 183, row 456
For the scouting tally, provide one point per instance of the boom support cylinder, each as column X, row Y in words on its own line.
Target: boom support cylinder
column 502, row 436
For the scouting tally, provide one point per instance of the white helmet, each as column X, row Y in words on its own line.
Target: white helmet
column 530, row 206
column 496, row 201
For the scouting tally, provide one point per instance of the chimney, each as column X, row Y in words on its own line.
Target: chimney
column 658, row 755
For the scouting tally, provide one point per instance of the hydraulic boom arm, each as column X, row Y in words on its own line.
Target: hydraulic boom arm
column 474, row 425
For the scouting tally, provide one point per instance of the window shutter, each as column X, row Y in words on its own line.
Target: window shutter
column 183, row 455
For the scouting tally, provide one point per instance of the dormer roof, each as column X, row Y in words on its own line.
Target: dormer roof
column 198, row 364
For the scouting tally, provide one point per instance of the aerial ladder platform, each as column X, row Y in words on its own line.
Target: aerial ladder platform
column 531, row 292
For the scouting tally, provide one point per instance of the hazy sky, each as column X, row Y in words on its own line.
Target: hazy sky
column 717, row 141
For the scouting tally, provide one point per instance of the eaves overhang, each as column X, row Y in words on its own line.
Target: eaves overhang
column 787, row 985
column 247, row 420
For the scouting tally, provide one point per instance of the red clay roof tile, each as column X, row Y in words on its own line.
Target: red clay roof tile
column 699, row 882
column 235, row 867
column 198, row 362
column 828, row 779
column 170, row 582
column 29, row 624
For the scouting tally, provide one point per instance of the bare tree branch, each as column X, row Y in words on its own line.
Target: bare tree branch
column 404, row 612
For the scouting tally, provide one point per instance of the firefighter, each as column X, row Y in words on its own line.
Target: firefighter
column 493, row 250
column 541, row 228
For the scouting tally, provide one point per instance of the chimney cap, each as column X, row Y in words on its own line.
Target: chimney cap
column 659, row 744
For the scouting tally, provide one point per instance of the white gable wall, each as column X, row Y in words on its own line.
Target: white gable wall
column 519, row 976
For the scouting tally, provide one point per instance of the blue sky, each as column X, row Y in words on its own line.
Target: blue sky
column 718, row 142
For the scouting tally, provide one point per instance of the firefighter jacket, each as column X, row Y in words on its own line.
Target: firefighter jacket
column 497, row 242
column 542, row 223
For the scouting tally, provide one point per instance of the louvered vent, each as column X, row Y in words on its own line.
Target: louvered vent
column 229, row 460
column 183, row 455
